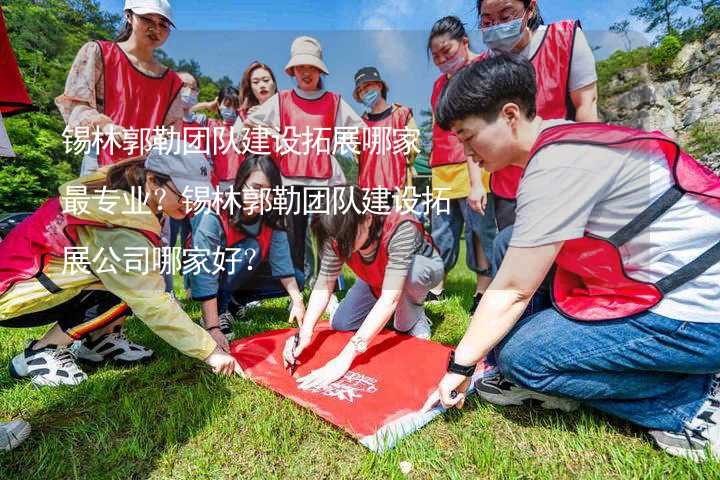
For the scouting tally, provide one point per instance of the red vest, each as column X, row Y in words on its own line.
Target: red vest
column 305, row 114
column 382, row 168
column 46, row 233
column 446, row 148
column 552, row 64
column 590, row 281
column 225, row 154
column 234, row 235
column 373, row 273
column 133, row 99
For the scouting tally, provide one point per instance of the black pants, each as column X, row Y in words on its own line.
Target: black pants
column 81, row 315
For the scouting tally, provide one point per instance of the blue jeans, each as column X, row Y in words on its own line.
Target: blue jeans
column 447, row 229
column 651, row 370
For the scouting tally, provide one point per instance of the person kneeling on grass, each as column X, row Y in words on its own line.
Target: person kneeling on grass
column 631, row 224
column 250, row 234
column 396, row 265
column 114, row 231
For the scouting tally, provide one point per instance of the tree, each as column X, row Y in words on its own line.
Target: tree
column 704, row 7
column 659, row 15
column 623, row 28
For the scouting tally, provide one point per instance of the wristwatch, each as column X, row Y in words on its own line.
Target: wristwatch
column 359, row 344
column 459, row 369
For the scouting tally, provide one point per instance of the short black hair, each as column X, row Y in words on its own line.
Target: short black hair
column 229, row 93
column 484, row 87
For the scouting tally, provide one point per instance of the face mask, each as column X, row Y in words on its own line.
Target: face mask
column 228, row 114
column 370, row 99
column 504, row 37
column 453, row 65
column 188, row 98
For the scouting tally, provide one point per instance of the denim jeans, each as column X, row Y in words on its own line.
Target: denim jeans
column 648, row 369
column 425, row 274
column 447, row 229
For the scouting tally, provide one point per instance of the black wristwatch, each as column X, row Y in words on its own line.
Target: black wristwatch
column 459, row 369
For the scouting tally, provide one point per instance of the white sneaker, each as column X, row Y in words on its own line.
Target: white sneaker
column 499, row 390
column 13, row 434
column 113, row 346
column 421, row 328
column 225, row 322
column 332, row 307
column 49, row 366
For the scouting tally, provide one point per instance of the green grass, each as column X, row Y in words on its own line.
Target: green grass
column 171, row 418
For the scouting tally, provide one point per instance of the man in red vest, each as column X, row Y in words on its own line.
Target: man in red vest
column 630, row 223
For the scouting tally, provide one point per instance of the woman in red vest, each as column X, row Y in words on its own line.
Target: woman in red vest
column 118, row 92
column 567, row 84
column 84, row 262
column 307, row 116
column 395, row 263
column 630, row 223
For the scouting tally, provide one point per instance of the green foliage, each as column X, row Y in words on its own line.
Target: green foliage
column 704, row 139
column 663, row 56
column 660, row 15
column 616, row 63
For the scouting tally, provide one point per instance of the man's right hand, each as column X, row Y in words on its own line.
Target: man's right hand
column 292, row 352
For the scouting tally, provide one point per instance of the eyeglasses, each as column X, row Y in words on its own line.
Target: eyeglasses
column 504, row 17
column 173, row 190
column 163, row 25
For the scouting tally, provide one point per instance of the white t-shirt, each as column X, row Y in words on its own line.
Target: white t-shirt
column 567, row 190
column 582, row 65
column 5, row 147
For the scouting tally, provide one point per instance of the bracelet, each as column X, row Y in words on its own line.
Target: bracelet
column 459, row 369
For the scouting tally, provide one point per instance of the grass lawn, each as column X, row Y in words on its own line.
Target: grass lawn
column 171, row 418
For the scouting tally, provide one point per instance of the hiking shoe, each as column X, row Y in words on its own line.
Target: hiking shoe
column 48, row 366
column 476, row 302
column 700, row 437
column 421, row 329
column 435, row 297
column 114, row 346
column 13, row 434
column 499, row 390
column 225, row 323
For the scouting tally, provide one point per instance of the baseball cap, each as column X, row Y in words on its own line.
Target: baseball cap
column 365, row 75
column 143, row 7
column 189, row 170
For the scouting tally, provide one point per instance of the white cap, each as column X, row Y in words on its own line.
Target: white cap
column 189, row 170
column 143, row 7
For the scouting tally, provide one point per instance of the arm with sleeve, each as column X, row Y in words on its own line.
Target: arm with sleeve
column 143, row 292
column 207, row 239
column 279, row 255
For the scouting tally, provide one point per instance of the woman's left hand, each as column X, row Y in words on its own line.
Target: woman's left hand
column 297, row 312
column 324, row 376
column 451, row 382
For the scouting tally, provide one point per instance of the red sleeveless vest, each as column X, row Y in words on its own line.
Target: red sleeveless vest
column 552, row 63
column 305, row 114
column 133, row 99
column 226, row 156
column 384, row 169
column 46, row 233
column 446, row 148
column 234, row 235
column 373, row 273
column 590, row 281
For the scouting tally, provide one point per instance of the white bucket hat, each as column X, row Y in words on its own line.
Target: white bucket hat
column 143, row 7
column 306, row 51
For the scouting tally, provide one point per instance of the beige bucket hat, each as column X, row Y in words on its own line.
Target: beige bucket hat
column 306, row 51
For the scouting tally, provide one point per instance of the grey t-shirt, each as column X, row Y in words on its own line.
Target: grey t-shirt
column 567, row 190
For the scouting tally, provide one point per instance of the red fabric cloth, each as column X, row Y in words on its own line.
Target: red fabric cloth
column 387, row 384
column 13, row 95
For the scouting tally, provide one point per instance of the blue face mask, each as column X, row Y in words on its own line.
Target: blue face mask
column 370, row 99
column 453, row 65
column 188, row 98
column 504, row 37
column 228, row 114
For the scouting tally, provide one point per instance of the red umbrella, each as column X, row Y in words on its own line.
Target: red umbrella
column 13, row 95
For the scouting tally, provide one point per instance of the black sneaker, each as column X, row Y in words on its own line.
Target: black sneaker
column 225, row 323
column 434, row 297
column 499, row 390
column 700, row 437
column 476, row 302
column 49, row 366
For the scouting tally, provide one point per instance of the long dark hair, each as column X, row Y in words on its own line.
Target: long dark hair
column 450, row 25
column 126, row 30
column 252, row 163
column 342, row 226
column 247, row 96
column 534, row 22
column 130, row 176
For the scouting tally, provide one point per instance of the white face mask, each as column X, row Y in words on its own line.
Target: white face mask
column 188, row 98
column 506, row 36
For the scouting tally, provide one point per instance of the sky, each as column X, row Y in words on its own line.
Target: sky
column 224, row 36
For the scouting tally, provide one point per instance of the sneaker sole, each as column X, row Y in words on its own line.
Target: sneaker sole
column 545, row 402
column 14, row 373
column 694, row 455
column 21, row 436
column 117, row 361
